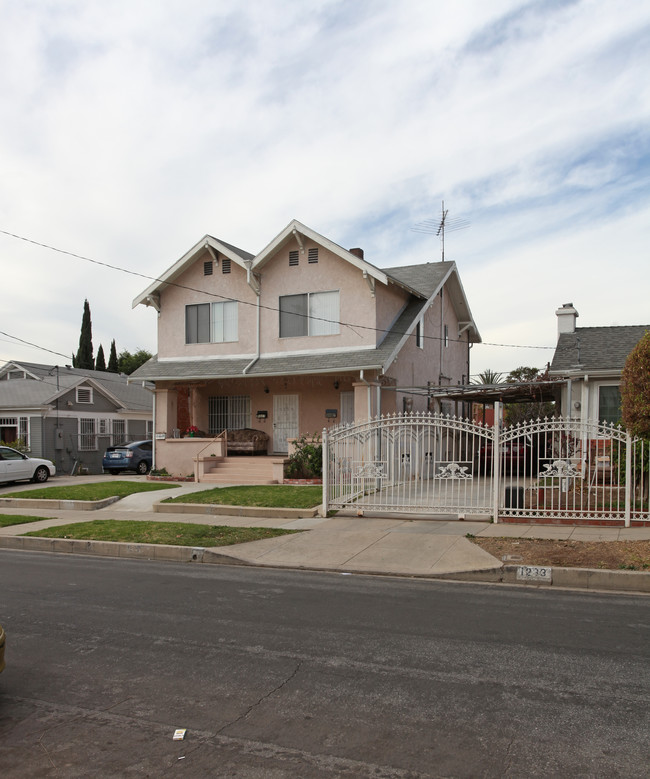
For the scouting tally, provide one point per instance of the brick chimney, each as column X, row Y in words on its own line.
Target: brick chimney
column 566, row 319
column 357, row 253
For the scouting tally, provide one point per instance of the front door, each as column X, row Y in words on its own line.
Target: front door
column 285, row 421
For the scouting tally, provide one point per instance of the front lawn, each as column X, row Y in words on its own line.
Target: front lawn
column 171, row 533
column 263, row 496
column 94, row 491
column 6, row 520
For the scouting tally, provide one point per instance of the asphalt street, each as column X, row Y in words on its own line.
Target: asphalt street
column 297, row 674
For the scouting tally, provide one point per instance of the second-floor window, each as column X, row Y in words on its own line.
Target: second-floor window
column 419, row 334
column 312, row 313
column 211, row 322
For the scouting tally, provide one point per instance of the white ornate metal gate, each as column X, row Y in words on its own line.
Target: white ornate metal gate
column 545, row 470
column 408, row 463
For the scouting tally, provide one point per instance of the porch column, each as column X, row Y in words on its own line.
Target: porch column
column 166, row 412
column 365, row 400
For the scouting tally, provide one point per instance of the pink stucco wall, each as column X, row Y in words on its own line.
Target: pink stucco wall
column 194, row 287
column 330, row 273
column 435, row 362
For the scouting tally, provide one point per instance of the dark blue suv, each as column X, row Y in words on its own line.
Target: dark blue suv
column 135, row 456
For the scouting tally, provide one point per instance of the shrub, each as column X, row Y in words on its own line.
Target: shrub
column 307, row 460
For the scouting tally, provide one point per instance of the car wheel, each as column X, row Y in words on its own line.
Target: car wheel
column 41, row 474
column 142, row 468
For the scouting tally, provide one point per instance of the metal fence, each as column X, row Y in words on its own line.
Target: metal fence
column 545, row 469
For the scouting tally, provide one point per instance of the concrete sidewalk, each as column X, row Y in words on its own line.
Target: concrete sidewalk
column 398, row 546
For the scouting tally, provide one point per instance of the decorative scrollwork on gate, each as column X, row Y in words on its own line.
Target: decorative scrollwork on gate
column 560, row 468
column 453, row 471
column 370, row 471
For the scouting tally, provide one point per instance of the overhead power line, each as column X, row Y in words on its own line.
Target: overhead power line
column 350, row 325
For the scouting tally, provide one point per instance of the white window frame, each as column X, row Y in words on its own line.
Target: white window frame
column 315, row 323
column 222, row 322
column 419, row 334
column 87, row 434
column 118, row 431
column 228, row 412
column 82, row 393
column 599, row 391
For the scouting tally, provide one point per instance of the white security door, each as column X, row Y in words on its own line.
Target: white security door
column 285, row 421
column 347, row 408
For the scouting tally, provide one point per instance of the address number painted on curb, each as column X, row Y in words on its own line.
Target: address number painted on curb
column 535, row 573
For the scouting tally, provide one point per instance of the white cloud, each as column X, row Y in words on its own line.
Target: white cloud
column 129, row 131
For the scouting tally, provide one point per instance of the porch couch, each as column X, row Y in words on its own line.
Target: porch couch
column 247, row 441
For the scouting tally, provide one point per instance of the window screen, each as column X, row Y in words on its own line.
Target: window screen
column 609, row 404
column 197, row 324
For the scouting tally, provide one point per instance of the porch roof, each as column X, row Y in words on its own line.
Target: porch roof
column 520, row 392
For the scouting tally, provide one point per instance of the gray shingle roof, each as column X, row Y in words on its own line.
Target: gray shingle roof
column 592, row 349
column 423, row 278
column 235, row 249
column 27, row 393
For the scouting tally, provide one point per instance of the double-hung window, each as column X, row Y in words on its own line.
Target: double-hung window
column 211, row 322
column 609, row 404
column 311, row 313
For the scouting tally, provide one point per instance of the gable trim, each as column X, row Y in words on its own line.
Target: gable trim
column 151, row 295
column 296, row 230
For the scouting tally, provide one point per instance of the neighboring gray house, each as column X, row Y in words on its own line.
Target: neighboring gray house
column 592, row 359
column 70, row 415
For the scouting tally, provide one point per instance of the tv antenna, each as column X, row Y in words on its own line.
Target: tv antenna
column 441, row 226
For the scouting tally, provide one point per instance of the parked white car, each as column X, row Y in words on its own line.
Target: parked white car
column 15, row 465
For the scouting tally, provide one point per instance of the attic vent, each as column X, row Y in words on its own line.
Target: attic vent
column 293, row 257
column 207, row 268
column 313, row 255
column 225, row 265
column 84, row 395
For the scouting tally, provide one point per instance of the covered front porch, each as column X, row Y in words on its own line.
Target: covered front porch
column 244, row 426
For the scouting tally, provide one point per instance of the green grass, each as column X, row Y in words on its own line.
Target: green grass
column 272, row 496
column 93, row 491
column 174, row 533
column 6, row 520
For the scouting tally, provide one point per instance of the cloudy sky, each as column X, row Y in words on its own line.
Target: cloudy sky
column 128, row 130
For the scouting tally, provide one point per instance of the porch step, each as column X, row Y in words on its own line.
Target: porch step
column 241, row 470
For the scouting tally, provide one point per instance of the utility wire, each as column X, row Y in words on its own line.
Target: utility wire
column 244, row 302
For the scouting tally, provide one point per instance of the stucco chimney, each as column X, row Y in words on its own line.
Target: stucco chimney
column 566, row 319
column 357, row 253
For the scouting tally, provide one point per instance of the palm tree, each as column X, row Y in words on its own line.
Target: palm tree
column 488, row 377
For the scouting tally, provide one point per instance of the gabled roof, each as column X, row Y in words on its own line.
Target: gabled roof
column 295, row 229
column 50, row 381
column 595, row 349
column 428, row 279
column 208, row 242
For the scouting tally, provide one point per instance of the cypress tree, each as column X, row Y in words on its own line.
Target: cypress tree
column 100, row 360
column 85, row 352
column 112, row 359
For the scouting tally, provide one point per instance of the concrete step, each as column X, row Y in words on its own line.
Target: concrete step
column 241, row 470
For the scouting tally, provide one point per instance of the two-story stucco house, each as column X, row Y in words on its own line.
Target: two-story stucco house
column 302, row 335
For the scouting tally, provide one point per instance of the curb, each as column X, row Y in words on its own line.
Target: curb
column 568, row 578
column 234, row 511
column 66, row 505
